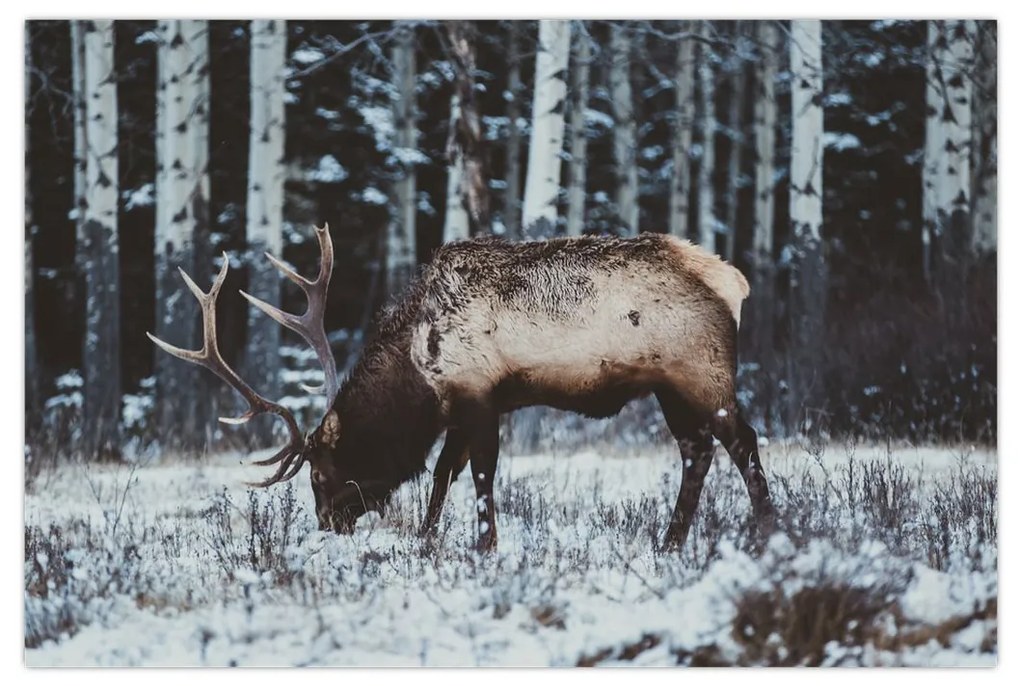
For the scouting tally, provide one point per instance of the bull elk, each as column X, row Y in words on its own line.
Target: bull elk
column 582, row 324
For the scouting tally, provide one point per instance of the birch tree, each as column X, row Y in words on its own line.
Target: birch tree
column 761, row 325
column 264, row 212
column 737, row 135
column 706, row 189
column 456, row 226
column 512, row 197
column 576, row 195
column 542, row 183
column 808, row 284
column 182, row 200
column 625, row 129
column 464, row 146
column 401, row 244
column 946, row 173
column 98, row 246
column 683, row 123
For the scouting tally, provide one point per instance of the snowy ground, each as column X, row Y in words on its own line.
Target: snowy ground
column 885, row 558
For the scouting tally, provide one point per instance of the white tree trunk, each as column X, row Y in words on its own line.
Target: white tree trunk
column 542, row 183
column 456, row 226
column 808, row 127
column 625, row 130
column 101, row 349
column 401, row 247
column 761, row 325
column 80, row 137
column 947, row 149
column 955, row 198
column 934, row 145
column 182, row 196
column 706, row 170
column 264, row 215
column 576, row 195
column 683, row 123
column 808, row 274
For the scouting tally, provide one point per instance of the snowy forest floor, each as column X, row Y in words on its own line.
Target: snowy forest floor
column 885, row 557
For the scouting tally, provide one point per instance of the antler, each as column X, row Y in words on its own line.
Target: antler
column 291, row 456
column 311, row 324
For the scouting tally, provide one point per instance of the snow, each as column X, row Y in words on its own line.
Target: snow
column 380, row 120
column 840, row 141
column 192, row 584
column 328, row 170
column 305, row 56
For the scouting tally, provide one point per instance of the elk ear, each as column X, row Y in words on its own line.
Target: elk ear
column 331, row 429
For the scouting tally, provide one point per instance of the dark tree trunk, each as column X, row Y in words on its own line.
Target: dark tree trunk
column 738, row 94
column 512, row 201
column 467, row 138
column 32, row 403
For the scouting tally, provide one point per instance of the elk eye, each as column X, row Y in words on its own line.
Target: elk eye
column 317, row 477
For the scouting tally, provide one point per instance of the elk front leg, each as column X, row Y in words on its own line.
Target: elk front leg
column 694, row 438
column 450, row 464
column 481, row 421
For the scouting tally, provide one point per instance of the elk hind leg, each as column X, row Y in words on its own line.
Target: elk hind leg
column 693, row 434
column 741, row 442
column 481, row 422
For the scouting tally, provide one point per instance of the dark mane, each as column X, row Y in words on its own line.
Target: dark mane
column 388, row 408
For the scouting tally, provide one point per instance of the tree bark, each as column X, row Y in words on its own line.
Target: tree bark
column 465, row 144
column 32, row 400
column 945, row 238
column 542, row 185
column 759, row 331
column 512, row 199
column 809, row 276
column 625, row 130
column 984, row 166
column 706, row 170
column 182, row 196
column 98, row 247
column 955, row 199
column 456, row 225
column 576, row 195
column 401, row 250
column 683, row 123
column 264, row 214
column 738, row 91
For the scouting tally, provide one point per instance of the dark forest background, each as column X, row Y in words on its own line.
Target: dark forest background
column 905, row 342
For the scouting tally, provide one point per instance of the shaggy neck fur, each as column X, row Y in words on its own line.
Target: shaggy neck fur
column 389, row 415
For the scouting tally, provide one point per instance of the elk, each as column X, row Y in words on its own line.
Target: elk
column 582, row 324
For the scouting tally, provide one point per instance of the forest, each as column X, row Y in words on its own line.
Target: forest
column 847, row 168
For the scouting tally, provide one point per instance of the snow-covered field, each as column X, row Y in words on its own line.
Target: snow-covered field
column 884, row 558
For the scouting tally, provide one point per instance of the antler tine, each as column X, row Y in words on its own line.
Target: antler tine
column 209, row 357
column 309, row 325
column 288, row 468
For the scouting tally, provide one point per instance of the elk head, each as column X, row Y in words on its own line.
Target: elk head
column 339, row 499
